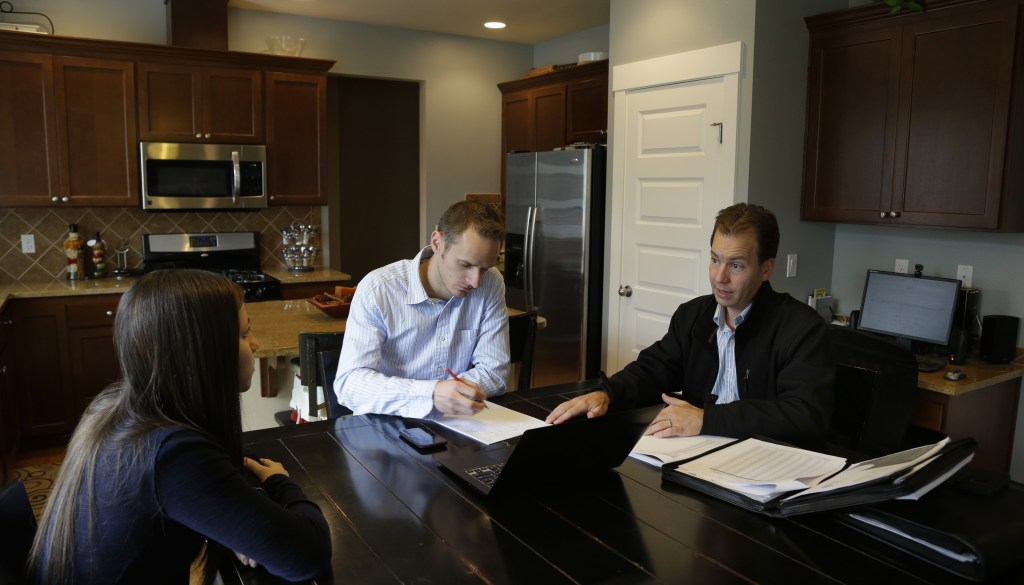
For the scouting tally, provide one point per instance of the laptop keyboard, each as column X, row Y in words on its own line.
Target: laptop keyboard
column 486, row 474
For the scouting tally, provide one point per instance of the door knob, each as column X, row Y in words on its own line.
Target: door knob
column 625, row 291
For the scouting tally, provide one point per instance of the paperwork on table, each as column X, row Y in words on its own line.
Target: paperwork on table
column 657, row 451
column 491, row 425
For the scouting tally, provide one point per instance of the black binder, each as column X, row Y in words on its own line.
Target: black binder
column 986, row 531
column 950, row 458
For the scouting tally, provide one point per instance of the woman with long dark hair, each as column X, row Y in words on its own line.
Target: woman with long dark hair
column 152, row 481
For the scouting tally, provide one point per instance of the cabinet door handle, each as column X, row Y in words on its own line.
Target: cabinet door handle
column 55, row 199
column 199, row 135
column 883, row 214
column 894, row 214
column 110, row 313
column 207, row 135
column 65, row 199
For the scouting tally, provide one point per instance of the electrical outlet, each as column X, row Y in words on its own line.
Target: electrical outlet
column 28, row 244
column 965, row 274
column 902, row 265
column 790, row 265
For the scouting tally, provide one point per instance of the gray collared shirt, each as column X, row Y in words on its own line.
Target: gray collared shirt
column 726, row 387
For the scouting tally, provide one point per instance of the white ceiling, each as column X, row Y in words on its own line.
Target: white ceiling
column 529, row 21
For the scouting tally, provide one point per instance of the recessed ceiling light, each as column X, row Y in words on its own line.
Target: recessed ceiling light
column 494, row 24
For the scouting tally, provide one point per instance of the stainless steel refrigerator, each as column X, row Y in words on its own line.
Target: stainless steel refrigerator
column 554, row 256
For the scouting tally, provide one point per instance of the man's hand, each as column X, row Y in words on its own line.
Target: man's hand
column 263, row 468
column 458, row 397
column 594, row 404
column 678, row 419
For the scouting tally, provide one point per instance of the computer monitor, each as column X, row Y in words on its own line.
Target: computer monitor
column 909, row 308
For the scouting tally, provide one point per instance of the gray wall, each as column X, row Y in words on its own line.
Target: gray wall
column 567, row 49
column 772, row 95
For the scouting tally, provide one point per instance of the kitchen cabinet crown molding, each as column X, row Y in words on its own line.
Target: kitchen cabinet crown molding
column 569, row 74
column 881, row 13
column 36, row 43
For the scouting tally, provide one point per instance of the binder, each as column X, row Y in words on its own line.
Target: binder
column 904, row 481
column 977, row 537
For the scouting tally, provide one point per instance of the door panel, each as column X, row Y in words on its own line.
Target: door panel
column 672, row 190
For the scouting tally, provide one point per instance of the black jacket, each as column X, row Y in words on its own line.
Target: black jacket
column 783, row 362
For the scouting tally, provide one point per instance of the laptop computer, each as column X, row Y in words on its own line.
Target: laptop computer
column 551, row 453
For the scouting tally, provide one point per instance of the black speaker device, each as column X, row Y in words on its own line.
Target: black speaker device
column 999, row 338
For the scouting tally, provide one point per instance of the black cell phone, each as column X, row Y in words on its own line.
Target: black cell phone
column 422, row 439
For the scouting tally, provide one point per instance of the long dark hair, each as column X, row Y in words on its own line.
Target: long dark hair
column 176, row 334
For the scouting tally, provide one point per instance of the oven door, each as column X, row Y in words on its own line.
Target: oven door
column 182, row 176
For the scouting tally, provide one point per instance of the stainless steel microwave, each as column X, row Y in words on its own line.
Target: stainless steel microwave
column 180, row 176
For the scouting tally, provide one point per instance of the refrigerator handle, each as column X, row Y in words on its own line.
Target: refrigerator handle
column 528, row 245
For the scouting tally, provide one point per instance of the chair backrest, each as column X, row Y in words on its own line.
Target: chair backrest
column 19, row 528
column 876, row 384
column 522, row 333
column 328, row 363
column 310, row 345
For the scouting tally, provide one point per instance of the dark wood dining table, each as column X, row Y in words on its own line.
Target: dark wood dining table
column 396, row 517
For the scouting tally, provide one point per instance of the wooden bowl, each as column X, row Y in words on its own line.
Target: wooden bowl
column 333, row 307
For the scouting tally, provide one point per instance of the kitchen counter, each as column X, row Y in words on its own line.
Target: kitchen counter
column 111, row 285
column 62, row 288
column 277, row 325
column 318, row 275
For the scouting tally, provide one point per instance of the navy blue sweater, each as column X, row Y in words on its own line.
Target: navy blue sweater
column 148, row 528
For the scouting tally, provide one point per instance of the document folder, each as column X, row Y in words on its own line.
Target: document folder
column 831, row 484
column 974, row 536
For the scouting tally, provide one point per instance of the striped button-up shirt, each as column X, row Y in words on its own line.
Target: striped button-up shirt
column 398, row 341
column 726, row 385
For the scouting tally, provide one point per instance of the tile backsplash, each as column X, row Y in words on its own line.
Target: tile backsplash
column 123, row 227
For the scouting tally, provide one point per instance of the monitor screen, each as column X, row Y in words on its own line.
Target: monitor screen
column 919, row 308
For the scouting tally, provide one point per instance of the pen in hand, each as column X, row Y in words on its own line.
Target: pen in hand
column 458, row 379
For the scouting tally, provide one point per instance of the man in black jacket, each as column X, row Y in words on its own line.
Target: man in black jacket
column 742, row 361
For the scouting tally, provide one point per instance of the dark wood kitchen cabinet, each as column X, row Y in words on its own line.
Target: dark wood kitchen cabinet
column 67, row 131
column 296, row 138
column 64, row 357
column 200, row 104
column 916, row 119
column 544, row 112
column 8, row 409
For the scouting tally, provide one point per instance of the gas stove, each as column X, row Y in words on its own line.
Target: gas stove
column 233, row 254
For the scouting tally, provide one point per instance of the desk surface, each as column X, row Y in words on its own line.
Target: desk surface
column 980, row 374
column 396, row 518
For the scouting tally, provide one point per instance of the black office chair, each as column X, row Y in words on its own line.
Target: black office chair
column 310, row 347
column 19, row 528
column 522, row 335
column 876, row 383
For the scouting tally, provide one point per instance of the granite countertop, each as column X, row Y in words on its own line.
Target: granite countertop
column 101, row 286
column 277, row 325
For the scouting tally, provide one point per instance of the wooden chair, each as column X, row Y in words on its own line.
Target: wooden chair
column 327, row 361
column 19, row 528
column 310, row 347
column 522, row 334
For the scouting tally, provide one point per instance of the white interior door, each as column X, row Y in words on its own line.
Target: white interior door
column 674, row 168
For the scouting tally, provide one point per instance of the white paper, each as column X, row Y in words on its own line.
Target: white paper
column 658, row 451
column 492, row 424
column 762, row 470
column 873, row 469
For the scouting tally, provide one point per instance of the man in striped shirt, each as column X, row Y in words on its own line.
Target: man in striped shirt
column 414, row 320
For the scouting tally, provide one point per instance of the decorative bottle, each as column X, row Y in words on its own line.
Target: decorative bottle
column 71, row 252
column 99, row 256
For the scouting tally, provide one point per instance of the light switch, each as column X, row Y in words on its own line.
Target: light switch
column 28, row 243
column 790, row 265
